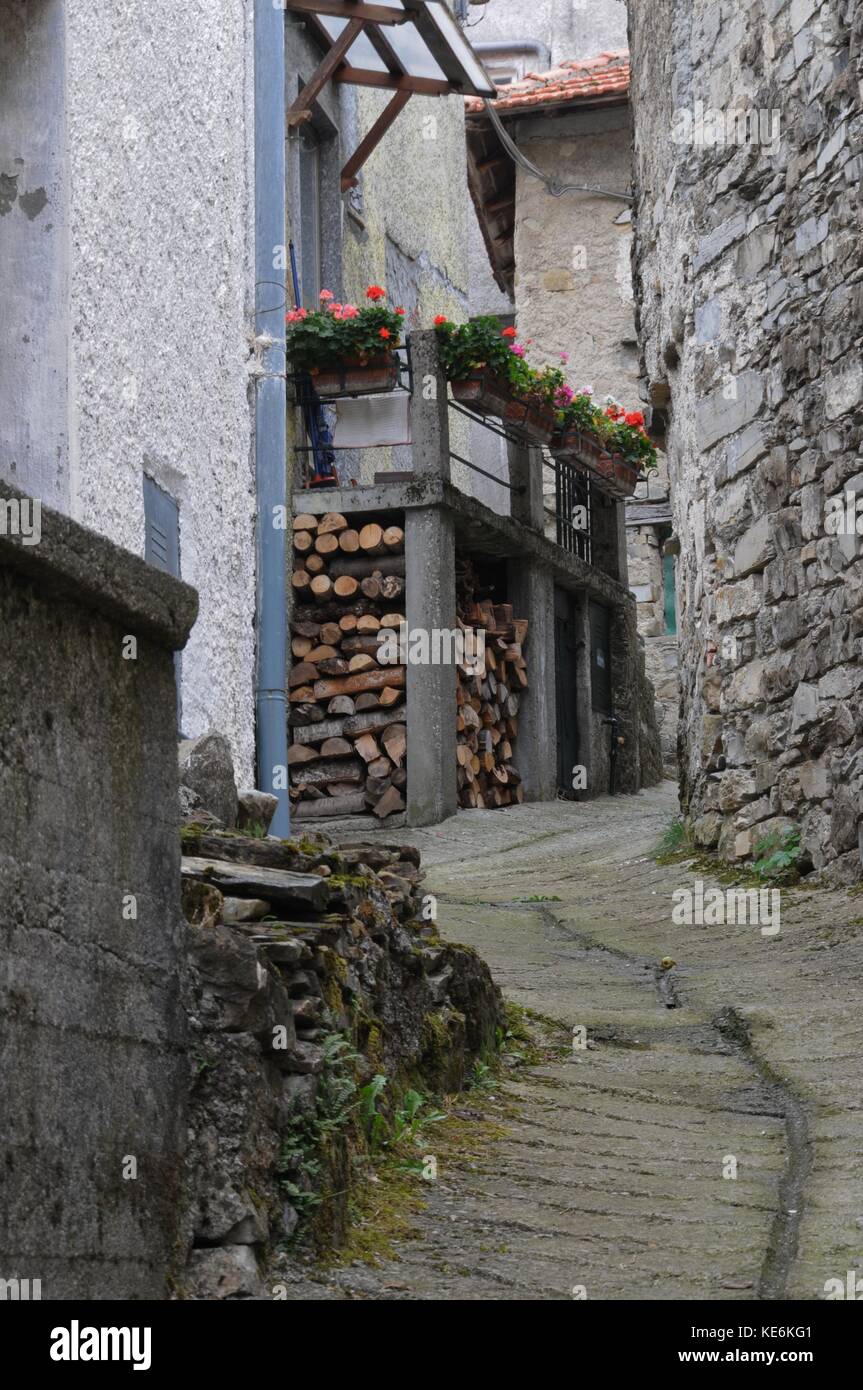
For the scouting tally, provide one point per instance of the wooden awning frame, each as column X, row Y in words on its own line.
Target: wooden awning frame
column 373, row 20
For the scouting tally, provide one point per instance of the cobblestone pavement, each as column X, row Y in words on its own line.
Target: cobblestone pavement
column 609, row 1177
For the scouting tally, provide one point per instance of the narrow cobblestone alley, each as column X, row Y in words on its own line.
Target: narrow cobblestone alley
column 608, row 1183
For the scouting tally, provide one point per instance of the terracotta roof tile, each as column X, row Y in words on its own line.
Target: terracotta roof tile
column 604, row 75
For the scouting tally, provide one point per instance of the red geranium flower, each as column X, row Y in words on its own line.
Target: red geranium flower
column 441, row 318
column 400, row 310
column 375, row 292
column 385, row 333
column 509, row 333
column 635, row 417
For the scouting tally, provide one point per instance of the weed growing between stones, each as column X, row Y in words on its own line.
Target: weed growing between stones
column 674, row 843
column 778, row 857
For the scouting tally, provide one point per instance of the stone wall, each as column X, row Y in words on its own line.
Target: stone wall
column 311, row 973
column 92, row 1042
column 573, row 277
column 748, row 280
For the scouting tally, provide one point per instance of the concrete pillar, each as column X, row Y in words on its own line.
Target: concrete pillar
column 531, row 593
column 431, row 705
column 429, row 409
column 525, row 476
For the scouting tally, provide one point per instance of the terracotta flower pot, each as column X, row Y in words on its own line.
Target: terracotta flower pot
column 354, row 378
column 488, row 394
column 484, row 392
column 614, row 474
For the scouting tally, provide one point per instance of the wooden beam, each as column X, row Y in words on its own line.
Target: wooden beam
column 370, row 141
column 302, row 107
column 371, row 13
column 483, row 165
column 364, row 77
column 500, row 204
column 385, row 51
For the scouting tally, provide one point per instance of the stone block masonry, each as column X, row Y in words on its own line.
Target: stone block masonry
column 92, row 1036
column 749, row 288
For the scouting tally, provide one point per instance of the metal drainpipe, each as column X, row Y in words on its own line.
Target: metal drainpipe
column 270, row 406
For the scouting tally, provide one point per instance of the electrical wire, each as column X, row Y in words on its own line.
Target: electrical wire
column 552, row 184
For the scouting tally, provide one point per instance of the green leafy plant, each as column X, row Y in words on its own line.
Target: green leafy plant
column 336, row 332
column 470, row 347
column 335, row 1102
column 482, row 1078
column 778, row 855
column 409, row 1121
column 373, row 1121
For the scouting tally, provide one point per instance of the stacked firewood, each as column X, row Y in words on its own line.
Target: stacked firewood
column 349, row 738
column 488, row 705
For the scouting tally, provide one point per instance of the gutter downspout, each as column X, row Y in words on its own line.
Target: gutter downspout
column 271, row 409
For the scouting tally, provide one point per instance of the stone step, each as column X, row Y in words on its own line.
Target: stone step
column 249, row 881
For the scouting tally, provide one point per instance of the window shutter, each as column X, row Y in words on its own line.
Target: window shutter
column 162, row 523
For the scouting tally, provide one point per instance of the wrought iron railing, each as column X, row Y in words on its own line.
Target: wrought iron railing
column 573, row 508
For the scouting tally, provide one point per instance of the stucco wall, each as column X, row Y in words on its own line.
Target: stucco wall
column 161, row 217
column 409, row 228
column 748, row 264
column 414, row 204
column 34, row 426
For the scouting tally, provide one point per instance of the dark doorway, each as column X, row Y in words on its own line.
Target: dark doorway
column 566, row 690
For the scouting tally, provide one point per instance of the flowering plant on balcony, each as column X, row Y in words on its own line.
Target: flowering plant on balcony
column 337, row 333
column 615, row 429
column 480, row 345
column 489, row 372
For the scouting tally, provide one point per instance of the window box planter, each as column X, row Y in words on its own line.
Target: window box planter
column 614, row 474
column 351, row 377
column 488, row 394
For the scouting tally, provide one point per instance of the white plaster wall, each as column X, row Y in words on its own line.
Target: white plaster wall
column 33, row 251
column 162, row 273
